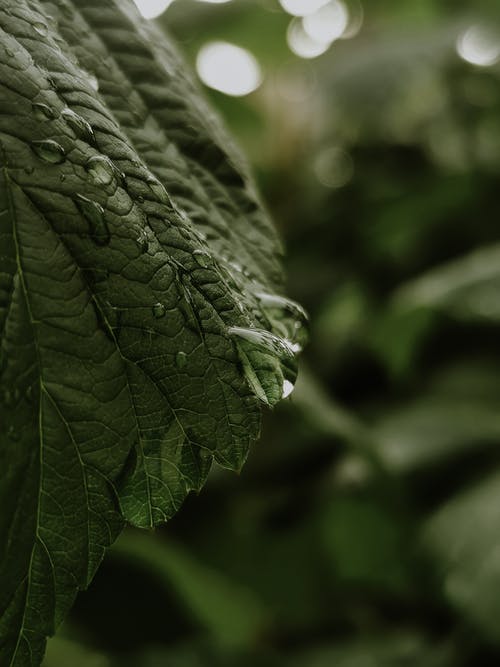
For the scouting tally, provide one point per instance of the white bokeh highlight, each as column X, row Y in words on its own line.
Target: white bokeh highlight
column 479, row 45
column 228, row 68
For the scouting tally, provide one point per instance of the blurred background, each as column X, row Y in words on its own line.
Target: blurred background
column 364, row 530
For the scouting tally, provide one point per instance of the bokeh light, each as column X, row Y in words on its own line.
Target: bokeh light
column 327, row 23
column 150, row 9
column 479, row 45
column 333, row 167
column 302, row 44
column 228, row 68
column 302, row 7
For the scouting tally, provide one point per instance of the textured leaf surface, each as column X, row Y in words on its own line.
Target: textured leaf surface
column 138, row 322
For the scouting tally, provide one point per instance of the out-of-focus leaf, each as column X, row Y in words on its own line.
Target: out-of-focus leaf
column 467, row 287
column 230, row 613
column 464, row 539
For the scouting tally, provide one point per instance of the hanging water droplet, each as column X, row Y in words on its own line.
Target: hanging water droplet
column 79, row 125
column 42, row 111
column 159, row 310
column 287, row 317
column 202, row 258
column 180, row 359
column 40, row 28
column 158, row 190
column 268, row 363
column 94, row 214
column 102, row 170
column 49, row 150
column 264, row 339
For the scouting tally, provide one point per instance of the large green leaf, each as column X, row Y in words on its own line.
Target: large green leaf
column 139, row 322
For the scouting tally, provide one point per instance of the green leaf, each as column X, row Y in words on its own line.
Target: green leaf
column 134, row 252
column 463, row 538
column 230, row 614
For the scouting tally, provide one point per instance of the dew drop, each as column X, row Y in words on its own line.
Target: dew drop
column 140, row 199
column 42, row 111
column 79, row 125
column 287, row 317
column 101, row 169
column 268, row 363
column 49, row 150
column 202, row 258
column 62, row 177
column 159, row 310
column 180, row 359
column 29, row 169
column 264, row 339
column 94, row 214
column 40, row 28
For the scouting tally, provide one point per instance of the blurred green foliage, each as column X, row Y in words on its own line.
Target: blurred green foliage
column 364, row 530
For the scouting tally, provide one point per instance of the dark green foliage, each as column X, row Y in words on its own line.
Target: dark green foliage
column 135, row 263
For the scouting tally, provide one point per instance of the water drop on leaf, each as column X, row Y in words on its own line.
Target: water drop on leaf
column 42, row 111
column 79, row 125
column 40, row 28
column 268, row 363
column 159, row 310
column 49, row 150
column 101, row 169
column 94, row 214
column 180, row 359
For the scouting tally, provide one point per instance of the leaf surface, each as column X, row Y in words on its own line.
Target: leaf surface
column 139, row 324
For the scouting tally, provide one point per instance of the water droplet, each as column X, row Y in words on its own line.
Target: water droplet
column 40, row 28
column 42, row 111
column 288, row 387
column 264, row 339
column 94, row 214
column 29, row 169
column 287, row 317
column 159, row 310
column 180, row 359
column 62, row 177
column 102, row 170
column 79, row 125
column 158, row 190
column 140, row 199
column 268, row 363
column 49, row 150
column 202, row 258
